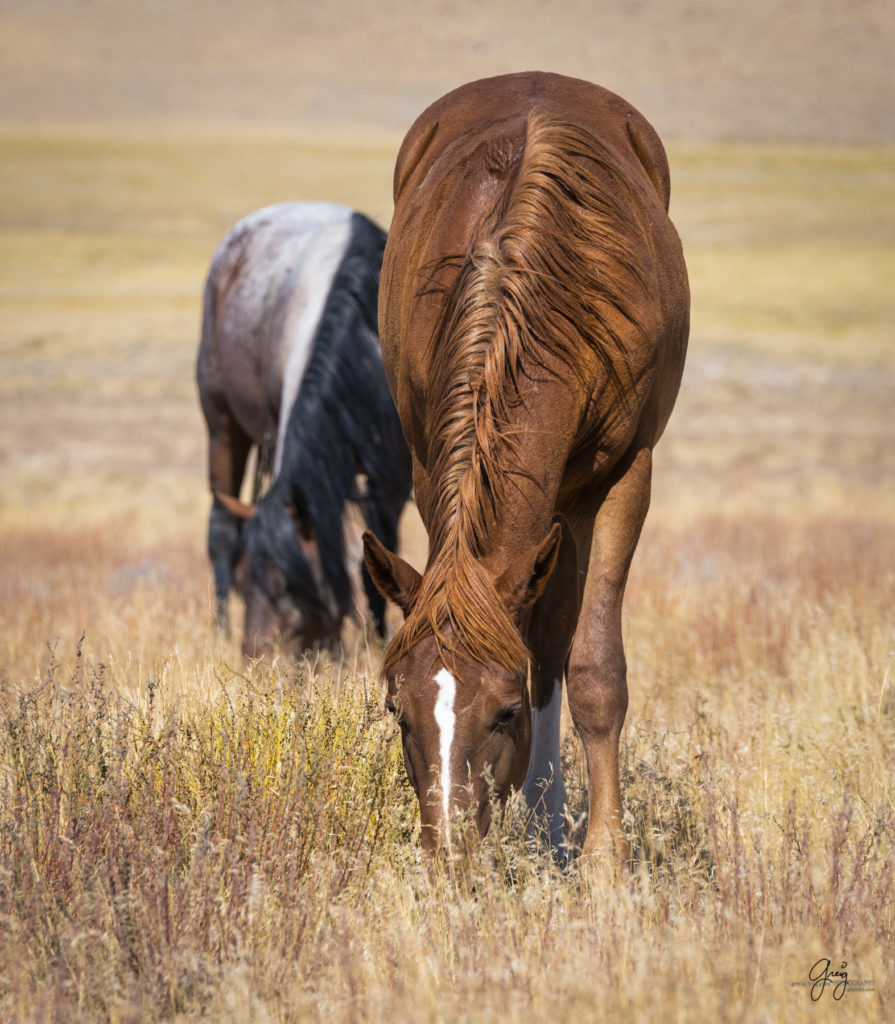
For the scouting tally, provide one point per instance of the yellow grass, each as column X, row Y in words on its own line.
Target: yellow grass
column 791, row 249
column 183, row 837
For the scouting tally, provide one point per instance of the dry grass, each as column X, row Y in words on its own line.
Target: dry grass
column 183, row 838
column 180, row 837
column 790, row 256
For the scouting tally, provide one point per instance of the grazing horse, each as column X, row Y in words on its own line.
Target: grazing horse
column 289, row 361
column 533, row 314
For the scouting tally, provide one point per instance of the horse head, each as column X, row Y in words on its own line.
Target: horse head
column 279, row 573
column 465, row 717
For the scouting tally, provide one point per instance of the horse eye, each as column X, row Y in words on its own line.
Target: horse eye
column 506, row 716
column 390, row 706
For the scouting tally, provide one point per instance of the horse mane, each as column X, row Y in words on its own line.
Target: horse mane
column 547, row 275
column 343, row 422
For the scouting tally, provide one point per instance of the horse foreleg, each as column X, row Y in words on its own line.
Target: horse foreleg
column 223, row 540
column 597, row 676
column 228, row 452
column 550, row 634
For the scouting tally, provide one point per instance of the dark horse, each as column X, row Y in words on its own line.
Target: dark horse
column 289, row 361
column 534, row 312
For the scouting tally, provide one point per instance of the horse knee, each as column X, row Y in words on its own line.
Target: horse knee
column 223, row 531
column 598, row 692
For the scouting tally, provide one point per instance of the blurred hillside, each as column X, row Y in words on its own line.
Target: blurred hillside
column 797, row 70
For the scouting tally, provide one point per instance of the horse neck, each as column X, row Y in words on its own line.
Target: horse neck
column 494, row 508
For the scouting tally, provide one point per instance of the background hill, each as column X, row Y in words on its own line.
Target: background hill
column 699, row 70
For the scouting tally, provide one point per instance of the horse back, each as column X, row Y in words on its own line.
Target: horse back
column 495, row 105
column 454, row 177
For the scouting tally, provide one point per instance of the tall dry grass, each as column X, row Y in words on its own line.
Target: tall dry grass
column 182, row 837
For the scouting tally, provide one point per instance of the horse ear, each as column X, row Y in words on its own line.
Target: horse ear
column 394, row 578
column 234, row 506
column 524, row 581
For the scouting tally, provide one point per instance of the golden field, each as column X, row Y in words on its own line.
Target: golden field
column 186, row 838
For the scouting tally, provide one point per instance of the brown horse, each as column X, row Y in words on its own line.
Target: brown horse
column 533, row 314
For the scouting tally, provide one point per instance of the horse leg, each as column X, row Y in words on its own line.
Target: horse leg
column 223, row 540
column 228, row 452
column 550, row 635
column 597, row 675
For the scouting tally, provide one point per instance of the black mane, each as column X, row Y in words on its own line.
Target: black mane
column 343, row 424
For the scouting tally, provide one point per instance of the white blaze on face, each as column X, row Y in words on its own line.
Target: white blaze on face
column 444, row 718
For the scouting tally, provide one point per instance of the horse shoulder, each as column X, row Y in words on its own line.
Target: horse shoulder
column 651, row 153
column 413, row 149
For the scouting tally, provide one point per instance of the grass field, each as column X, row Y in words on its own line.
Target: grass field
column 183, row 838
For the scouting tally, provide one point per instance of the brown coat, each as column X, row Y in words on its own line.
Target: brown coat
column 534, row 314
